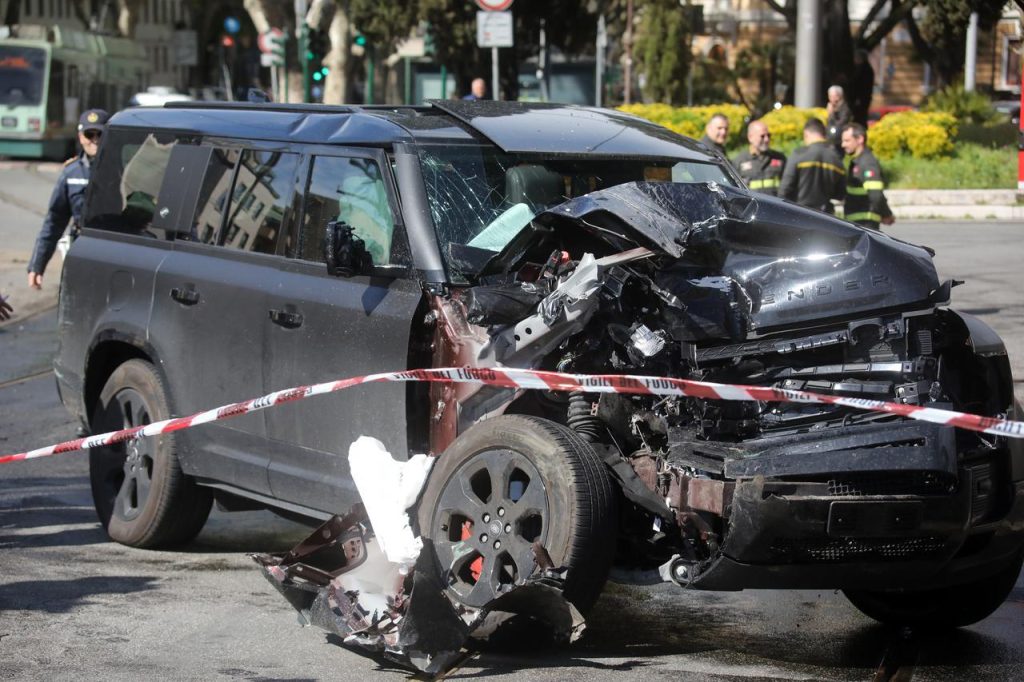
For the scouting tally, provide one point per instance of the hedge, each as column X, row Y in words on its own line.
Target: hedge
column 690, row 121
column 924, row 135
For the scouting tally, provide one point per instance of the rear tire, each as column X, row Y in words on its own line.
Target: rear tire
column 505, row 483
column 943, row 608
column 142, row 497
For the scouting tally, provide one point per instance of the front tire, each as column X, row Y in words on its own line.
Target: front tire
column 943, row 608
column 142, row 497
column 506, row 483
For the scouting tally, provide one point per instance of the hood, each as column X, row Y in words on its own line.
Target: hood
column 786, row 265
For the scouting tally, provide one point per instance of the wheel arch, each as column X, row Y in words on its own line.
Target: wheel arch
column 989, row 352
column 110, row 350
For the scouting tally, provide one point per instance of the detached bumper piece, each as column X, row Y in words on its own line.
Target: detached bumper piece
column 339, row 579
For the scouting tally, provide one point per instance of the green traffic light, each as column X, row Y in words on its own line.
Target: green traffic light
column 317, row 76
column 324, row 70
column 310, row 56
column 360, row 40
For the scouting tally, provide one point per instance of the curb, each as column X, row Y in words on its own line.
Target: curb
column 979, row 212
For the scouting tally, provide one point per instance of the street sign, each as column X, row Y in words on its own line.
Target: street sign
column 271, row 44
column 185, row 48
column 494, row 5
column 494, row 29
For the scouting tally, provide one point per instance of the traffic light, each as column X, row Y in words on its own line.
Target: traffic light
column 359, row 44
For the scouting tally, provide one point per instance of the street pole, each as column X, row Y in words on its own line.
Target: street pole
column 542, row 59
column 602, row 44
column 444, row 82
column 808, row 53
column 627, row 95
column 303, row 55
column 495, row 89
column 370, row 76
column 970, row 59
column 408, row 79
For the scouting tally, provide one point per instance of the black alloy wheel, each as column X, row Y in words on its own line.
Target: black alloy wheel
column 142, row 497
column 505, row 484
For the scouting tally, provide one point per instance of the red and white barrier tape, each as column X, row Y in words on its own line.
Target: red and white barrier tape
column 551, row 381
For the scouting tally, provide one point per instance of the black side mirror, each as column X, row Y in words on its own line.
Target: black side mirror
column 344, row 252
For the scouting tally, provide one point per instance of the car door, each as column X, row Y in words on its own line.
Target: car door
column 210, row 304
column 332, row 327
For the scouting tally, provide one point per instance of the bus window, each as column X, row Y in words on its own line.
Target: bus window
column 21, row 75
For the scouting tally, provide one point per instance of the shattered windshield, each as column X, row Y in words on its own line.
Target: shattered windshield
column 482, row 197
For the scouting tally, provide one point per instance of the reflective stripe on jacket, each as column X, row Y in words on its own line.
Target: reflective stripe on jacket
column 865, row 201
column 814, row 176
column 761, row 172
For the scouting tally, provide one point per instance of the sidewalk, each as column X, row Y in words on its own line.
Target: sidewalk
column 24, row 193
column 953, row 204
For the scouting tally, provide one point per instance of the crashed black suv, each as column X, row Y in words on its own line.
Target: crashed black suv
column 233, row 250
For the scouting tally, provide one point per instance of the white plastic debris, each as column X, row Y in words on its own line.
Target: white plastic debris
column 388, row 488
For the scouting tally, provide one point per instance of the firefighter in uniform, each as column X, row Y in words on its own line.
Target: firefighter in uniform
column 760, row 166
column 865, row 199
column 68, row 198
column 814, row 174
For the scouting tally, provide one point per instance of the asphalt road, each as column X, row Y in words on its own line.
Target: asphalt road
column 74, row 606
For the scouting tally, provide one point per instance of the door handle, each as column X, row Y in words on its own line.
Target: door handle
column 289, row 319
column 185, row 296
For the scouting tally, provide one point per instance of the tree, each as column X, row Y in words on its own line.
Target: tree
column 841, row 41
column 663, row 50
column 941, row 39
column 383, row 25
column 128, row 16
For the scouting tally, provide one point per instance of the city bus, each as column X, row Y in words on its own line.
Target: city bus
column 49, row 75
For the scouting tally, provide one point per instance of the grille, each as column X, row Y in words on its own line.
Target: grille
column 844, row 549
column 911, row 483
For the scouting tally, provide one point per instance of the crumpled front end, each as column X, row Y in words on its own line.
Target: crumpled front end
column 706, row 282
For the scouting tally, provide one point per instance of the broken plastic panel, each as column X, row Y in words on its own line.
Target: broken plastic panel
column 352, row 576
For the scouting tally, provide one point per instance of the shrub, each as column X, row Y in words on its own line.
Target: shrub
column 926, row 135
column 928, row 141
column 966, row 107
column 787, row 124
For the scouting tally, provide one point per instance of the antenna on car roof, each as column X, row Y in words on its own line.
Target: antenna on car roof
column 257, row 96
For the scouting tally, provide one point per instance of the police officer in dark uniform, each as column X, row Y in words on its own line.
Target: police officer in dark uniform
column 68, row 198
column 865, row 201
column 760, row 166
column 814, row 173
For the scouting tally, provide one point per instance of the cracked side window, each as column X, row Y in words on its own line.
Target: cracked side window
column 352, row 191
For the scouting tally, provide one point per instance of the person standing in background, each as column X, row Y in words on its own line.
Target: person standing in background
column 814, row 174
column 716, row 132
column 839, row 114
column 477, row 90
column 759, row 165
column 865, row 199
column 68, row 198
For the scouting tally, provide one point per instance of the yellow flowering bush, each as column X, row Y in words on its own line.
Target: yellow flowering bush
column 925, row 135
column 690, row 121
column 786, row 124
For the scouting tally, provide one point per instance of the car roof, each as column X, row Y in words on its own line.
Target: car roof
column 515, row 127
